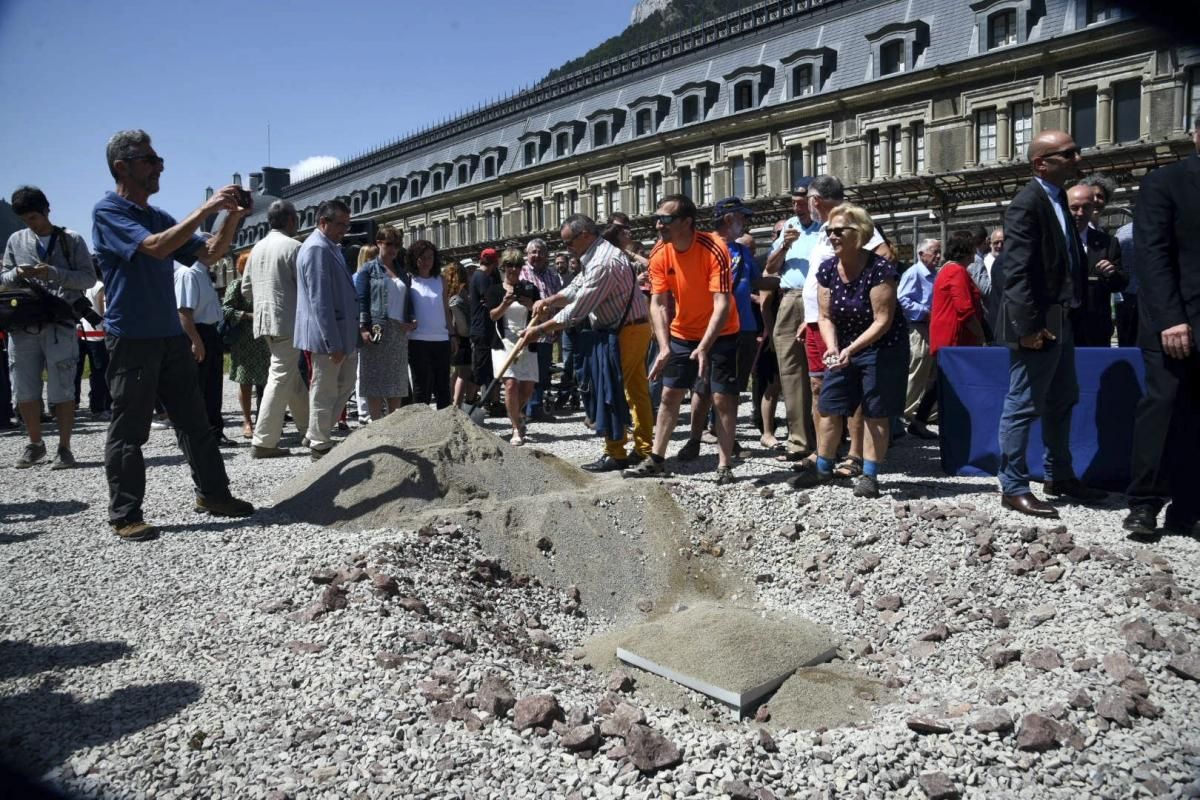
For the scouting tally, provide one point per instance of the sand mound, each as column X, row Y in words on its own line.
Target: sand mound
column 622, row 544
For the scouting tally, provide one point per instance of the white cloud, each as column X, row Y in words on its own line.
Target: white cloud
column 307, row 167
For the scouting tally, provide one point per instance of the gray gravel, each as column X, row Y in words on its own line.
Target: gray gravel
column 184, row 667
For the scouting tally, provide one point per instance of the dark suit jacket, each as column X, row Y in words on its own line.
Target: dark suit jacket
column 1166, row 228
column 1092, row 322
column 1036, row 265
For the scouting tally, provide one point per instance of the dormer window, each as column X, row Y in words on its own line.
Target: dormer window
column 562, row 144
column 1002, row 28
column 648, row 113
column 530, row 153
column 605, row 124
column 393, row 194
column 691, row 109
column 644, row 122
column 743, row 95
column 802, row 80
column 1005, row 23
column 1102, row 11
column 437, row 181
column 489, row 167
column 809, row 70
column 493, row 159
column 900, row 46
column 748, row 86
column 464, row 174
column 600, row 133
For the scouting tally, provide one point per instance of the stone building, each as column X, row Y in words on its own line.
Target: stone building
column 923, row 107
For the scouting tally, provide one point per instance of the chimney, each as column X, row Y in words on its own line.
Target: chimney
column 237, row 179
column 256, row 182
column 275, row 180
column 208, row 193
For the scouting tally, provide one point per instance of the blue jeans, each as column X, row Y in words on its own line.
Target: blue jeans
column 1041, row 383
column 545, row 353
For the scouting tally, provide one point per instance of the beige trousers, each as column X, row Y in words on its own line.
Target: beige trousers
column 920, row 367
column 284, row 390
column 331, row 387
column 793, row 373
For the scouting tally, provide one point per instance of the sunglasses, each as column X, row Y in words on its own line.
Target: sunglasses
column 665, row 219
column 838, row 233
column 1069, row 152
column 152, row 158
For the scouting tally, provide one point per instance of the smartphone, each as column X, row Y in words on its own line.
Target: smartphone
column 243, row 198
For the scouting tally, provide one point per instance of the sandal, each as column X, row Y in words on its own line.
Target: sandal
column 849, row 467
column 791, row 455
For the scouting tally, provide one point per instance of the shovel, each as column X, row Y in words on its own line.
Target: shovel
column 478, row 413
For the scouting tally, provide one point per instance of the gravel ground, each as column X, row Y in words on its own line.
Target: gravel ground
column 263, row 658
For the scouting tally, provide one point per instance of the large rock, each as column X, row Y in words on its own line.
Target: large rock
column 937, row 786
column 494, row 697
column 649, row 750
column 536, row 711
column 1039, row 733
column 993, row 720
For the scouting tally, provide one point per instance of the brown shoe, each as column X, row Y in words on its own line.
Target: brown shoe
column 1028, row 504
column 134, row 531
column 268, row 452
column 1074, row 489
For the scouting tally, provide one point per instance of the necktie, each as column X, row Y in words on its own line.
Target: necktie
column 1074, row 259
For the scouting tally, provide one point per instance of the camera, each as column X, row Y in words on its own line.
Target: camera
column 524, row 290
column 82, row 309
column 243, row 198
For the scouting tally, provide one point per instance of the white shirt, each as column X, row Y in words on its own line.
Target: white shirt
column 821, row 252
column 395, row 299
column 194, row 290
column 428, row 309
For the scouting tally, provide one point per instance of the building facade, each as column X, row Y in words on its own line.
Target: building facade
column 923, row 107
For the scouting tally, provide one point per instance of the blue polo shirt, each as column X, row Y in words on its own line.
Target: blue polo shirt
column 745, row 272
column 139, row 291
column 795, row 267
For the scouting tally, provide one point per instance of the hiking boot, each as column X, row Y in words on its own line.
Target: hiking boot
column 268, row 452
column 227, row 506
column 134, row 531
column 689, row 451
column 64, row 460
column 34, row 452
column 647, row 469
column 866, row 486
column 725, row 476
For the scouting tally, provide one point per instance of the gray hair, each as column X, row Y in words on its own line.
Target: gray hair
column 581, row 223
column 926, row 244
column 279, row 213
column 1106, row 184
column 829, row 187
column 124, row 145
column 330, row 209
column 537, row 243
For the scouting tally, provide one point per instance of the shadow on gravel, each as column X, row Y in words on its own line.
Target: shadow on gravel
column 24, row 658
column 39, row 509
column 899, row 488
column 13, row 538
column 210, row 524
column 44, row 727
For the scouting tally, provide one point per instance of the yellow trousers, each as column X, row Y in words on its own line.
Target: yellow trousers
column 634, row 341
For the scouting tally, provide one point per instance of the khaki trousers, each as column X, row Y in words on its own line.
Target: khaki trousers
column 284, row 390
column 793, row 373
column 331, row 387
column 920, row 367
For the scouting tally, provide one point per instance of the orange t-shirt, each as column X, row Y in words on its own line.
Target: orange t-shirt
column 693, row 276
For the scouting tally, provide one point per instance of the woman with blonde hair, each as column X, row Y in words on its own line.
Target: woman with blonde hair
column 249, row 358
column 866, row 348
column 510, row 308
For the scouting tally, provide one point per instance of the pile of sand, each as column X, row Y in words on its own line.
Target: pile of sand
column 621, row 544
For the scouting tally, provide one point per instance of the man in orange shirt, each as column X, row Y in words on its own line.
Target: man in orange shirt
column 698, row 350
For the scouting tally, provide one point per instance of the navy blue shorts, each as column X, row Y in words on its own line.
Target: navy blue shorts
column 876, row 379
column 682, row 372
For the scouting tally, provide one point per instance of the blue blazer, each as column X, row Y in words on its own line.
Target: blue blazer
column 326, row 308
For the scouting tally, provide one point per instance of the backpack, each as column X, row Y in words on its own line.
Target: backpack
column 31, row 305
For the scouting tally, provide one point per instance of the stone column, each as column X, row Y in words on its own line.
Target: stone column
column 1003, row 135
column 972, row 155
column 1179, row 109
column 885, row 153
column 806, row 154
column 906, row 147
column 1104, row 96
column 866, row 156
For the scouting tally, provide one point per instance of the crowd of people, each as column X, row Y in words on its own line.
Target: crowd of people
column 829, row 323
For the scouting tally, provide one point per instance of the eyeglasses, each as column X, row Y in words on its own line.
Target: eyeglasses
column 152, row 158
column 665, row 219
column 839, row 232
column 1070, row 152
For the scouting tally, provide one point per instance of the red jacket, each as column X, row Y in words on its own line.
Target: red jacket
column 956, row 300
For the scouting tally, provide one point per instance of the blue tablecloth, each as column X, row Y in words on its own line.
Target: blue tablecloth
column 974, row 381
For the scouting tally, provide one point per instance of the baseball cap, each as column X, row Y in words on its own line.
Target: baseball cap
column 801, row 186
column 489, row 256
column 731, row 205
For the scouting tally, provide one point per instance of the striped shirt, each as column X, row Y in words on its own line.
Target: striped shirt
column 602, row 289
column 548, row 283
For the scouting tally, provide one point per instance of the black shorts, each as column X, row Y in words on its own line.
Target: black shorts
column 876, row 379
column 481, row 361
column 682, row 370
column 747, row 344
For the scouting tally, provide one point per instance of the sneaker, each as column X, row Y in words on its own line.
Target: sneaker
column 64, row 460
column 227, row 506
column 268, row 452
column 34, row 452
column 134, row 531
column 689, row 451
column 647, row 469
column 725, row 476
column 866, row 486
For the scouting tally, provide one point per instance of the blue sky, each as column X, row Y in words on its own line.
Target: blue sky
column 205, row 78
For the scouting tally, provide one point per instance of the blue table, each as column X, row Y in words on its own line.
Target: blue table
column 974, row 381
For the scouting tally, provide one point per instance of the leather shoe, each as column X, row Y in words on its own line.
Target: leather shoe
column 1028, row 504
column 606, row 463
column 1174, row 527
column 1141, row 521
column 918, row 429
column 1074, row 489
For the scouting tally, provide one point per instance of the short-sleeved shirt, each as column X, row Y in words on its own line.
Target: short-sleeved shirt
column 481, row 324
column 745, row 273
column 139, row 290
column 194, row 290
column 795, row 267
column 850, row 303
column 822, row 250
column 692, row 278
